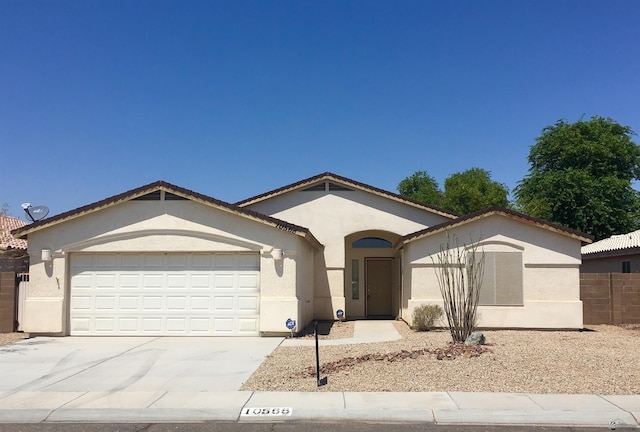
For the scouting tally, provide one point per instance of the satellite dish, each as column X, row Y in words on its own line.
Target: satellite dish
column 35, row 213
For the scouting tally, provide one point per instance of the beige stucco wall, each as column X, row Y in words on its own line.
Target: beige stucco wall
column 333, row 215
column 551, row 280
column 164, row 226
column 610, row 264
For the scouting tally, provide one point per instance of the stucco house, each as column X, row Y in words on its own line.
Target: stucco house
column 616, row 254
column 164, row 260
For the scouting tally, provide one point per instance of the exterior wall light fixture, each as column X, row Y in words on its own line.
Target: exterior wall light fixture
column 46, row 255
column 277, row 254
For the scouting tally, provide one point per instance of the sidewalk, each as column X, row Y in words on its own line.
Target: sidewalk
column 435, row 408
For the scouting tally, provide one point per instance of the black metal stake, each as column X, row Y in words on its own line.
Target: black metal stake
column 315, row 328
column 319, row 381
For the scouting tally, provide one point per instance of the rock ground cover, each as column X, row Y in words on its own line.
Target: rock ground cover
column 7, row 338
column 604, row 360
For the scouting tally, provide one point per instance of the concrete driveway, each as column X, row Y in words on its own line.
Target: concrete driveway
column 131, row 364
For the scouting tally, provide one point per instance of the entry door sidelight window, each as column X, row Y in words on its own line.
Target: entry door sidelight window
column 355, row 279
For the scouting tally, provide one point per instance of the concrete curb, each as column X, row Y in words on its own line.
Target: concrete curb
column 450, row 408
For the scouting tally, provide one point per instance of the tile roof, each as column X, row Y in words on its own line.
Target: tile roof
column 614, row 243
column 8, row 241
column 491, row 211
column 22, row 232
column 347, row 182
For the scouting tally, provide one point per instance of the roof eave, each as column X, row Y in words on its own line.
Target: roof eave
column 585, row 238
column 23, row 232
column 347, row 182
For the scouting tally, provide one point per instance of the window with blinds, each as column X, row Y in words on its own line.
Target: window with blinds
column 502, row 282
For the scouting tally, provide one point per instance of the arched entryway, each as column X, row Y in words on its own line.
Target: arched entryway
column 372, row 276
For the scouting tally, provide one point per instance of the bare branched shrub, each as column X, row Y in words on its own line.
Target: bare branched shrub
column 425, row 317
column 460, row 271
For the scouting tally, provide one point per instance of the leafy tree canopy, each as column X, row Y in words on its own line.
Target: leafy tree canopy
column 421, row 187
column 472, row 190
column 464, row 192
column 580, row 176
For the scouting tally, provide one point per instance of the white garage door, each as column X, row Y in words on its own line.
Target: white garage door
column 164, row 294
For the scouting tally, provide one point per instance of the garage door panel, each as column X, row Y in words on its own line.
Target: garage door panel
column 128, row 303
column 152, row 281
column 152, row 303
column 105, row 303
column 105, row 325
column 130, row 261
column 248, row 325
column 152, row 325
column 83, row 281
column 247, row 304
column 248, row 282
column 200, row 303
column 81, row 303
column 157, row 294
column 80, row 325
column 177, row 262
column 129, row 281
column 224, row 281
column 105, row 280
column 223, row 304
column 128, row 325
column 201, row 281
column 106, row 261
column 153, row 262
column 177, row 281
column 176, row 303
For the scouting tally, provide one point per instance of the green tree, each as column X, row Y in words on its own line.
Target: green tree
column 580, row 176
column 421, row 187
column 473, row 190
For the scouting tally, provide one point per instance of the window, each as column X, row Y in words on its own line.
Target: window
column 355, row 279
column 502, row 282
column 626, row 266
column 371, row 242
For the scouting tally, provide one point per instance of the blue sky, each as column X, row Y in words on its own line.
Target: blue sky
column 235, row 98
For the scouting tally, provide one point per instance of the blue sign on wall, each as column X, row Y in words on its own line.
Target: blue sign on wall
column 340, row 313
column 291, row 323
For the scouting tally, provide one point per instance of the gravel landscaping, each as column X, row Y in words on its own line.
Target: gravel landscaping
column 7, row 338
column 603, row 360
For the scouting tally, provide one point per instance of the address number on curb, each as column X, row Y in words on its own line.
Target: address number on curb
column 277, row 411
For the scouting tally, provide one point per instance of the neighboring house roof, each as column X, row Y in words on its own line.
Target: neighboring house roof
column 618, row 242
column 327, row 176
column 160, row 185
column 495, row 210
column 8, row 241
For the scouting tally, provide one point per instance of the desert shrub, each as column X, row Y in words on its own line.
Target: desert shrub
column 425, row 317
column 460, row 271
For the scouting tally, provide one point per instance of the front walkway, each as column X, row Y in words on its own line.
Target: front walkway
column 364, row 331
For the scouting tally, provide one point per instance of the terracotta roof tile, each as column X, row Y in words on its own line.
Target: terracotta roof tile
column 614, row 243
column 8, row 241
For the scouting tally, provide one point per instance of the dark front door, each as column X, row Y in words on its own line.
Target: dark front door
column 378, row 283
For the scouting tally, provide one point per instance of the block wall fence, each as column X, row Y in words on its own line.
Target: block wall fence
column 610, row 298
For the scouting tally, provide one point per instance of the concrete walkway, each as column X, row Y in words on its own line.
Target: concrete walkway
column 365, row 331
column 241, row 406
column 81, row 388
